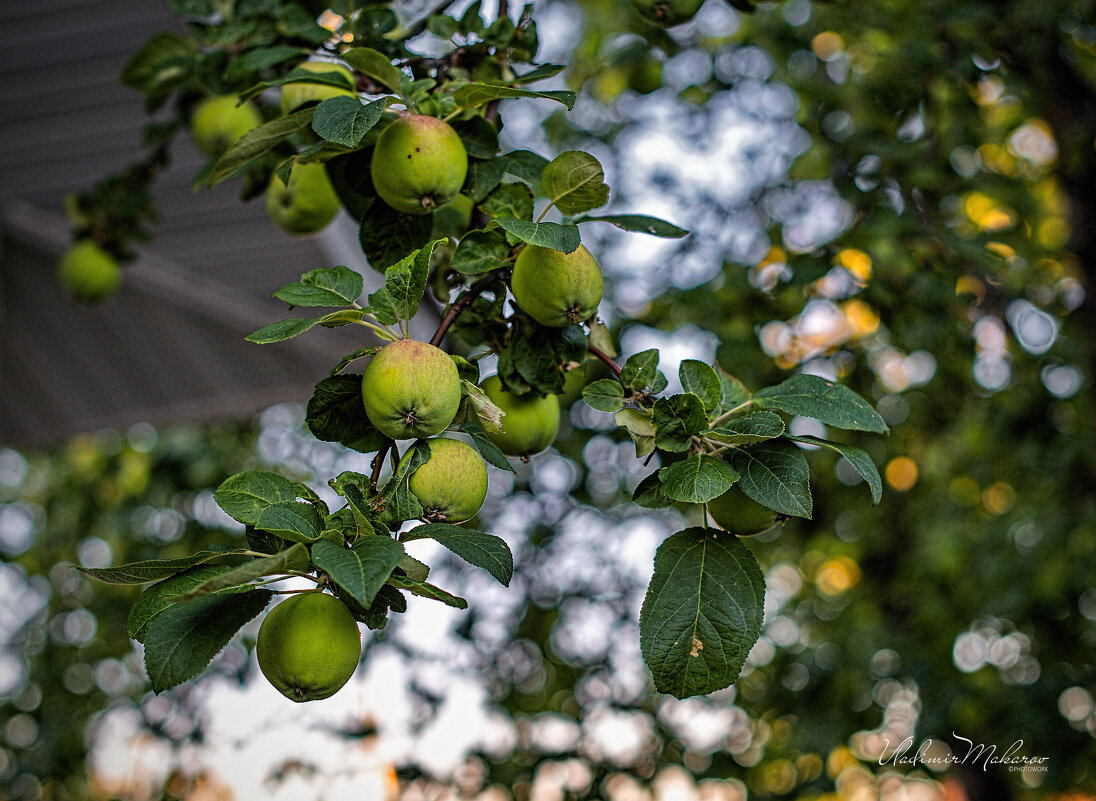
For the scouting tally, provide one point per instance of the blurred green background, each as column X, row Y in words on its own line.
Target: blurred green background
column 896, row 194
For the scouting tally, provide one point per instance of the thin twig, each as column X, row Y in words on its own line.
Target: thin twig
column 464, row 301
column 613, row 367
column 731, row 412
column 378, row 463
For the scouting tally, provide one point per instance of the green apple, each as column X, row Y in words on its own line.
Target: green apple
column 88, row 273
column 667, row 13
column 410, row 389
column 297, row 94
column 218, row 122
column 531, row 423
column 419, row 164
column 307, row 204
column 556, row 288
column 736, row 512
column 451, row 484
column 308, row 646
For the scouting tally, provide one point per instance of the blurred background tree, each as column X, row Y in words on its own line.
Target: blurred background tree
column 895, row 194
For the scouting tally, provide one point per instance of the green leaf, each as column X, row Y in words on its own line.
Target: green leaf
column 487, row 449
column 701, row 380
column 161, row 595
column 404, row 285
column 540, row 73
column 293, row 558
column 483, row 176
column 376, row 65
column 703, row 612
column 396, row 503
column 509, row 200
column 163, row 61
column 648, row 493
column 283, row 330
column 424, row 590
column 356, row 488
column 183, row 639
column 260, row 58
column 335, row 414
column 676, row 420
column 362, row 570
column 334, row 286
column 332, row 77
column 480, row 252
column 776, row 475
column 386, row 236
column 156, row 569
column 523, row 164
column 734, row 391
column 575, row 182
column 833, row 404
column 476, row 94
column 244, row 496
column 480, row 137
column 638, row 224
column 752, row 427
column 344, row 120
column 292, row 520
column 697, row 479
column 860, row 461
column 639, row 371
column 540, row 354
column 605, row 395
column 640, row 428
column 257, row 142
column 489, row 414
column 565, row 238
column 482, row 550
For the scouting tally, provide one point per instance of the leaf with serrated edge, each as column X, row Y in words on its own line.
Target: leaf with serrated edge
column 333, row 286
column 487, row 449
column 480, row 252
column 605, row 395
column 293, row 558
column 257, row 142
column 161, row 595
column 376, row 65
column 697, row 479
column 701, row 380
column 823, row 400
column 749, row 428
column 156, row 569
column 182, row 640
column 244, row 496
column 703, row 612
column 362, row 570
column 859, row 460
column 734, row 391
column 574, row 182
column 776, row 475
column 482, row 550
column 639, row 427
column 489, row 414
column 639, row 370
column 565, row 238
column 424, row 590
column 292, row 520
column 676, row 419
column 345, row 120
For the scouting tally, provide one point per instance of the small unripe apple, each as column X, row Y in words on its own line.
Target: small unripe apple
column 410, row 389
column 218, row 122
column 307, row 204
column 419, row 164
column 88, row 273
column 736, row 512
column 297, row 94
column 451, row 484
column 308, row 646
column 556, row 288
column 531, row 423
column 668, row 13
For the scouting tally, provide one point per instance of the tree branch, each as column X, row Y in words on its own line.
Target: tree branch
column 605, row 358
column 464, row 301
